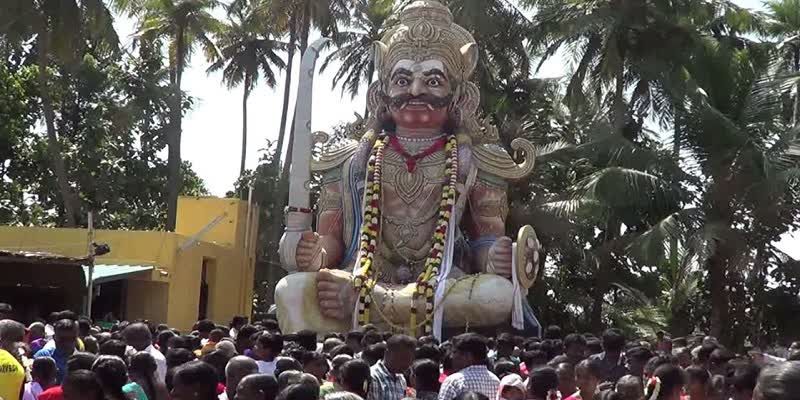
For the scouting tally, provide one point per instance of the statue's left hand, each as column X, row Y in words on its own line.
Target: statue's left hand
column 500, row 257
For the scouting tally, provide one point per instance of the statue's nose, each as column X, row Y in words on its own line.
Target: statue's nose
column 418, row 87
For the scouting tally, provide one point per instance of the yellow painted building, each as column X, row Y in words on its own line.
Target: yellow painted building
column 203, row 269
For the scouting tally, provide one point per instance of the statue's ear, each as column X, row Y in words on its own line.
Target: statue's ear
column 379, row 50
column 469, row 53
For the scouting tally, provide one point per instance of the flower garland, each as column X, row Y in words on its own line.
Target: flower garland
column 425, row 285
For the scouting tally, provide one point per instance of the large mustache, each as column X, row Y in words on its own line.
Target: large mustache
column 432, row 101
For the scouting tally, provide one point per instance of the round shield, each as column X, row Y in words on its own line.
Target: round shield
column 527, row 256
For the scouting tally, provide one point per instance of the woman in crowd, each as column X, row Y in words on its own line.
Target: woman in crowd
column 512, row 387
column 142, row 371
column 543, row 384
column 82, row 385
column 665, row 384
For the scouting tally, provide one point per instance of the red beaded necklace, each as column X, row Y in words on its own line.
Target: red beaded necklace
column 411, row 160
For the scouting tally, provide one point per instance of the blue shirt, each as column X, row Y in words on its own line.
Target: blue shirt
column 59, row 357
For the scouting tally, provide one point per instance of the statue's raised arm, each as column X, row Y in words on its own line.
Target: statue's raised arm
column 411, row 224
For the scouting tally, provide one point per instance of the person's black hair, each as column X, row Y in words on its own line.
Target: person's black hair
column 162, row 328
column 720, row 356
column 654, row 362
column 471, row 396
column 220, row 333
column 613, row 340
column 307, row 339
column 429, row 340
column 67, row 314
column 218, row 360
column 80, row 360
column 112, row 373
column 178, row 356
column 374, row 353
column 144, row 365
column 574, row 339
column 794, row 356
column 704, row 354
column 84, row 325
column 541, row 381
column 44, row 367
column 180, row 342
column 247, row 331
column 506, row 339
column 447, row 361
column 535, row 357
column 283, row 364
column 333, row 335
column 696, row 374
column 312, row 356
column 426, row 375
column 593, row 366
column 272, row 341
column 553, row 332
column 670, row 377
column 428, row 351
column 271, row 325
column 780, row 382
column 200, row 374
column 370, row 338
column 472, row 344
column 355, row 375
column 607, row 394
column 745, row 377
column 263, row 383
column 65, row 325
column 639, row 353
column 205, row 326
column 163, row 339
column 299, row 391
column 237, row 320
column 342, row 349
column 113, row 348
column 505, row 367
column 355, row 336
column 85, row 382
column 401, row 343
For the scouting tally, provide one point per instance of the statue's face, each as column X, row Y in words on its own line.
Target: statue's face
column 419, row 94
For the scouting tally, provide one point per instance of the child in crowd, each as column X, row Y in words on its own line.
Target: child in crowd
column 43, row 374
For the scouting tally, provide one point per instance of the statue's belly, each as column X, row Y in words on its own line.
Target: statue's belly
column 409, row 212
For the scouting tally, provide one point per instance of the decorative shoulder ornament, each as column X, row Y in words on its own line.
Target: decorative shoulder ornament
column 332, row 155
column 494, row 159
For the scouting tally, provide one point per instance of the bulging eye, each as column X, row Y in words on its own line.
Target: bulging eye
column 434, row 82
column 401, row 82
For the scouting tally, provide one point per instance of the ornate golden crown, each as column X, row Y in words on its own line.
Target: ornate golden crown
column 426, row 31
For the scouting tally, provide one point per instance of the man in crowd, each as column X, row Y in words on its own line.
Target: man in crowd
column 139, row 337
column 12, row 374
column 238, row 368
column 65, row 336
column 469, row 359
column 612, row 359
column 388, row 382
column 574, row 350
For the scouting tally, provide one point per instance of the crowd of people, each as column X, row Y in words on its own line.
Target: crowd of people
column 68, row 357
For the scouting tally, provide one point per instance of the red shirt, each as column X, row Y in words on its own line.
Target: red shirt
column 54, row 393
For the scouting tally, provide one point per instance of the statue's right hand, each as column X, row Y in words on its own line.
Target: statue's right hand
column 309, row 250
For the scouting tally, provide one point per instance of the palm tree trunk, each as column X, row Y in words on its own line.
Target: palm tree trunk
column 619, row 100
column 174, row 143
column 53, row 146
column 795, row 109
column 244, row 126
column 287, row 87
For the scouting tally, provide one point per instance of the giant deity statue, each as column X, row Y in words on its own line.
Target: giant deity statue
column 411, row 223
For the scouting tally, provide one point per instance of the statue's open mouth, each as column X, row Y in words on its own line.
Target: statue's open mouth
column 421, row 102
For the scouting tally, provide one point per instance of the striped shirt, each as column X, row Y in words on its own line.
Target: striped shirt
column 475, row 378
column 386, row 385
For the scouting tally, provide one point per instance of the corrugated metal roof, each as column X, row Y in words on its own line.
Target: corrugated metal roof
column 113, row 272
column 38, row 257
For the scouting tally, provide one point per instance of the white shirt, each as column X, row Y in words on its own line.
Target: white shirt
column 266, row 367
column 32, row 391
column 161, row 362
column 223, row 396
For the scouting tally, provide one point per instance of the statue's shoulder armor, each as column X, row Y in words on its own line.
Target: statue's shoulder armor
column 493, row 160
column 334, row 156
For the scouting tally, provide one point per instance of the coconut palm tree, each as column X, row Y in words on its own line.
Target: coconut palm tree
column 247, row 51
column 369, row 22
column 183, row 24
column 60, row 31
column 785, row 25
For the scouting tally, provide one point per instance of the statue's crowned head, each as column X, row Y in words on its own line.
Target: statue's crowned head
column 424, row 64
